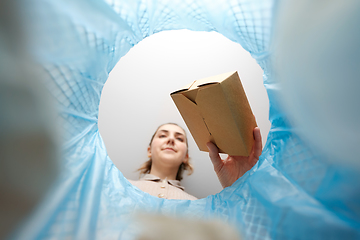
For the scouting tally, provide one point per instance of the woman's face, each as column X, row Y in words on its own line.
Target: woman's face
column 169, row 146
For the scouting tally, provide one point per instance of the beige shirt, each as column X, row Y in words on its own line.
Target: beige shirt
column 169, row 189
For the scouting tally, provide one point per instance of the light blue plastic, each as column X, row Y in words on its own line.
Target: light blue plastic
column 292, row 193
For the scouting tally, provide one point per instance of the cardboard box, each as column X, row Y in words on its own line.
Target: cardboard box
column 216, row 109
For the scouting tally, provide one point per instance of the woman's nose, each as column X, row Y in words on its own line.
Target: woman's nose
column 171, row 140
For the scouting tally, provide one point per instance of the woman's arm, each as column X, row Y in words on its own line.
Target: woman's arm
column 233, row 167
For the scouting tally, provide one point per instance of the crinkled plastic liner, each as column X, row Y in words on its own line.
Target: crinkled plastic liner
column 292, row 193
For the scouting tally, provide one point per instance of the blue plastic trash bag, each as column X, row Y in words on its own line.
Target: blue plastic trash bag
column 293, row 192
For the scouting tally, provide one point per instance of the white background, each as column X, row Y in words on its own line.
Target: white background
column 136, row 97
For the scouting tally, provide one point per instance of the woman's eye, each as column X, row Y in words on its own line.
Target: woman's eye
column 162, row 136
column 180, row 139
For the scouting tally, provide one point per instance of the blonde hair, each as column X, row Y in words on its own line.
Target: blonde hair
column 146, row 166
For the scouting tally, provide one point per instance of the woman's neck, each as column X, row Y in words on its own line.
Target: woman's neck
column 164, row 173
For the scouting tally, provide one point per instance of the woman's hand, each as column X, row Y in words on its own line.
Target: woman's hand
column 233, row 167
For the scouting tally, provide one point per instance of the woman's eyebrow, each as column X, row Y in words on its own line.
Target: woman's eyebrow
column 176, row 133
column 165, row 131
column 179, row 133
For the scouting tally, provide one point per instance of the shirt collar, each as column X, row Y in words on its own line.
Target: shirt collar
column 150, row 177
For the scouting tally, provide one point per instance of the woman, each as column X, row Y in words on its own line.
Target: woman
column 168, row 158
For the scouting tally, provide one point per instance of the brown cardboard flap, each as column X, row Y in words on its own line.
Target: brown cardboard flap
column 191, row 94
column 184, row 88
column 206, row 84
column 193, row 120
column 216, row 109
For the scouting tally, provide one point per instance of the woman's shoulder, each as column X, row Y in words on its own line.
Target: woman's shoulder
column 140, row 183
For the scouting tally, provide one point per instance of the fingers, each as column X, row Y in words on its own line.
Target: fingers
column 258, row 143
column 214, row 154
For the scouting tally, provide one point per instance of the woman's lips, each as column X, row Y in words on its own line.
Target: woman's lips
column 171, row 149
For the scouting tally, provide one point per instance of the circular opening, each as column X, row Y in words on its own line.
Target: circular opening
column 136, row 97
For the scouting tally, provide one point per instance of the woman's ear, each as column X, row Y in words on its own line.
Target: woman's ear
column 149, row 151
column 186, row 159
